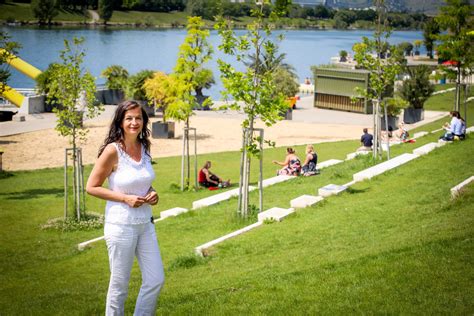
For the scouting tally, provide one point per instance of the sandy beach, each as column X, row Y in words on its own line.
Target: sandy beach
column 217, row 131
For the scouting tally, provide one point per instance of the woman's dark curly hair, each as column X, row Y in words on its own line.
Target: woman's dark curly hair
column 116, row 134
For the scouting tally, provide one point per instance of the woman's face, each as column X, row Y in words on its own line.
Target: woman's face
column 132, row 123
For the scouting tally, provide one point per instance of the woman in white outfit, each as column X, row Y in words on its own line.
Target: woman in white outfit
column 129, row 231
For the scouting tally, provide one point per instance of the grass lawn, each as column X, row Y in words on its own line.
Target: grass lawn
column 394, row 245
column 12, row 11
column 445, row 101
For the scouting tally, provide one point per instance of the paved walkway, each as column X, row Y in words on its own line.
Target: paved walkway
column 305, row 113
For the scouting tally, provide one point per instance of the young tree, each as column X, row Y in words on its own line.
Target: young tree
column 456, row 44
column 116, row 77
column 105, row 10
column 7, row 49
column 382, row 72
column 74, row 89
column 44, row 10
column 195, row 52
column 430, row 31
column 158, row 89
column 253, row 90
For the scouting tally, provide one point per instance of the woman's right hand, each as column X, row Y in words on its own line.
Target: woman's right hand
column 134, row 200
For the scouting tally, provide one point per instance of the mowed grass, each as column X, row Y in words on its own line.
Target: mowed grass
column 394, row 245
column 13, row 11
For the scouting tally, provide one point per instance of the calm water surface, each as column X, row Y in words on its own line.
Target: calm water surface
column 157, row 49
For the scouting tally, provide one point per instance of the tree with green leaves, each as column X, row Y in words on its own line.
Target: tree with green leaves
column 193, row 54
column 105, row 9
column 74, row 89
column 456, row 44
column 159, row 89
column 252, row 90
column 430, row 31
column 417, row 88
column 7, row 49
column 116, row 77
column 383, row 72
column 44, row 10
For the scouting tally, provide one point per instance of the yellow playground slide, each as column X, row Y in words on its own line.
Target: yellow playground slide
column 11, row 94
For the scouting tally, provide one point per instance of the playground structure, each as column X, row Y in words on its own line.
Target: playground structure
column 12, row 95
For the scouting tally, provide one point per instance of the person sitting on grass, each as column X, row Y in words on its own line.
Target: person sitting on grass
column 208, row 179
column 402, row 132
column 454, row 128
column 291, row 165
column 366, row 141
column 309, row 165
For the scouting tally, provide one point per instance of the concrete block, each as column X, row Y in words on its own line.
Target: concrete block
column 469, row 129
column 200, row 250
column 275, row 180
column 420, row 134
column 357, row 153
column 331, row 189
column 327, row 163
column 85, row 244
column 173, row 212
column 455, row 191
column 305, row 201
column 423, row 150
column 18, row 118
column 217, row 198
column 384, row 166
column 275, row 213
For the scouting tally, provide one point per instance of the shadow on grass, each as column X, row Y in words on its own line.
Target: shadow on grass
column 33, row 193
column 355, row 191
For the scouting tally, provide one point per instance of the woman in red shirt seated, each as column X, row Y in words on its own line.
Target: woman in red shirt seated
column 207, row 179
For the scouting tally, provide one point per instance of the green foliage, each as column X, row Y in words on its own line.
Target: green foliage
column 105, row 9
column 286, row 82
column 204, row 80
column 456, row 44
column 394, row 105
column 7, row 48
column 418, row 88
column 430, row 31
column 406, row 47
column 116, row 77
column 44, row 79
column 134, row 89
column 207, row 9
column 44, row 10
column 159, row 89
column 74, row 89
column 188, row 73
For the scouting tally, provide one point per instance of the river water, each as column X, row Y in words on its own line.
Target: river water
column 138, row 49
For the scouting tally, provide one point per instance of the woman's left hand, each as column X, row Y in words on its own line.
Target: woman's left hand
column 152, row 198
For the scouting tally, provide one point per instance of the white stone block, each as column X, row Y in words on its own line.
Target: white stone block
column 327, row 163
column 423, row 150
column 275, row 180
column 384, row 166
column 305, row 201
column 214, row 199
column 357, row 153
column 200, row 249
column 173, row 212
column 275, row 213
column 331, row 189
column 85, row 244
column 470, row 129
column 455, row 191
column 420, row 134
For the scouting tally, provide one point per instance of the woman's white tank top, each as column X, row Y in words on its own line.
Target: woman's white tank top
column 130, row 177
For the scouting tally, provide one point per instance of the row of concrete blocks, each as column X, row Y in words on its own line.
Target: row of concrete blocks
column 214, row 199
column 277, row 214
